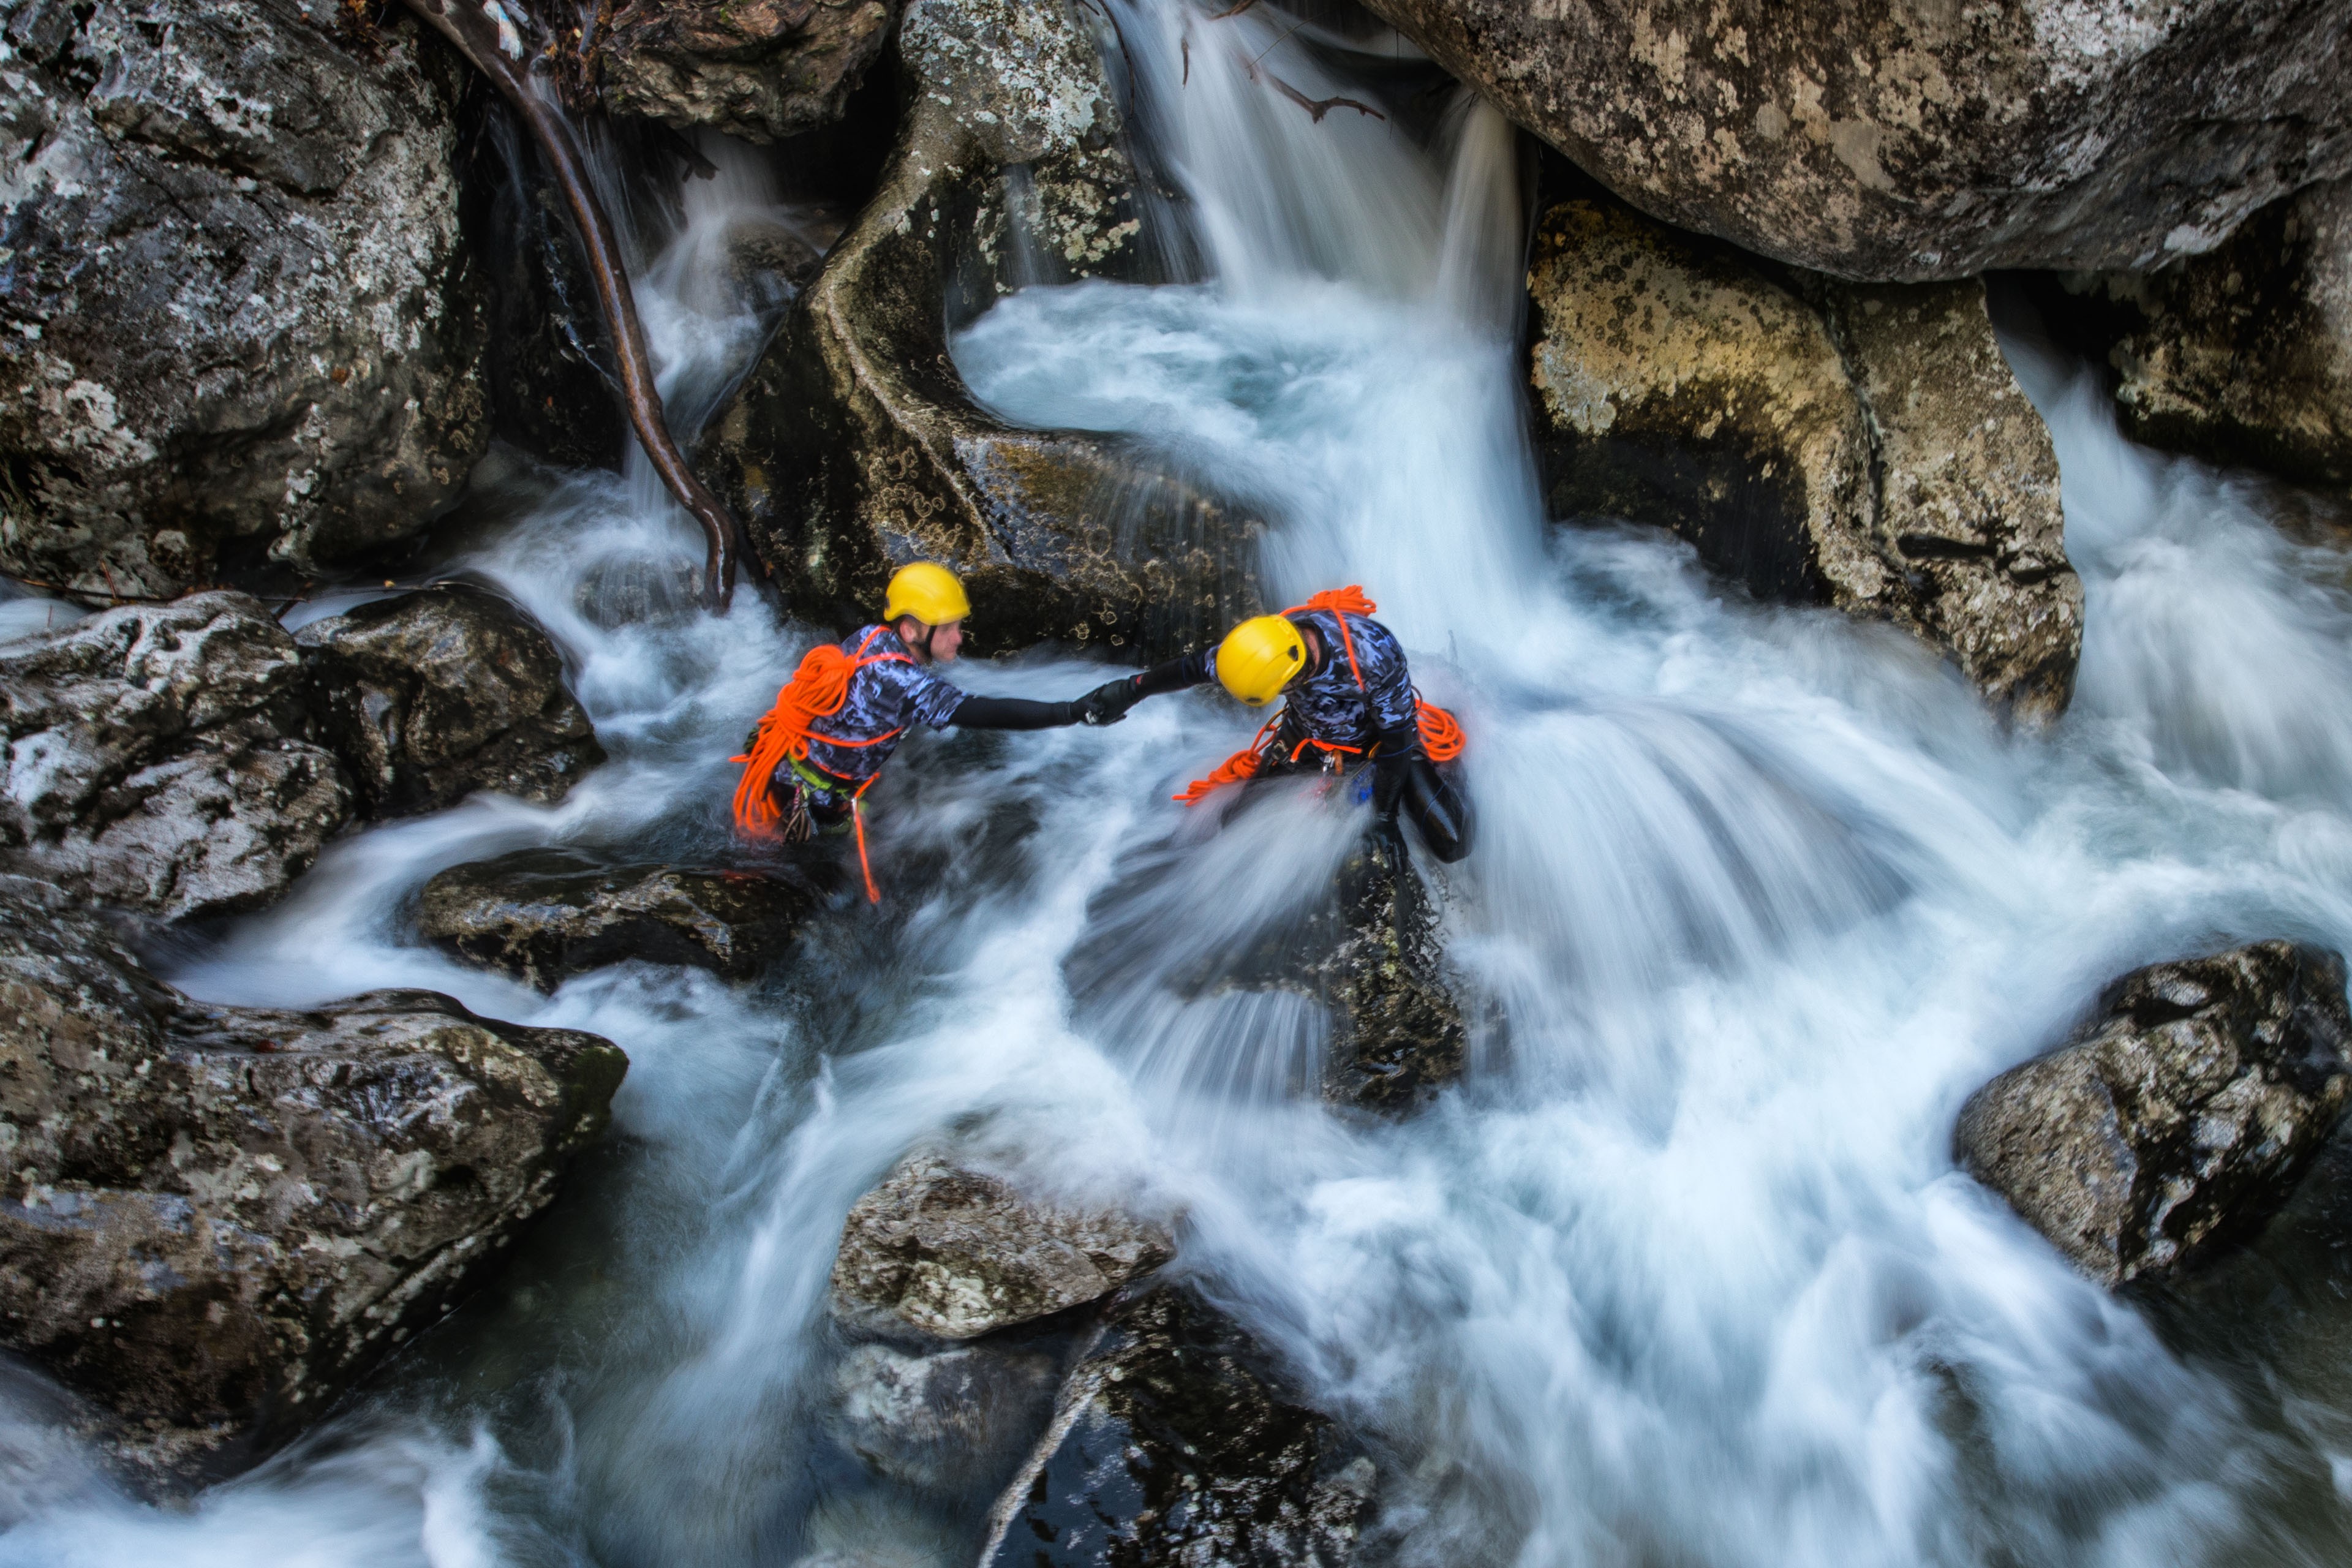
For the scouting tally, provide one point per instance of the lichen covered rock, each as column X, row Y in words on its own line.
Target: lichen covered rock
column 1179, row 1441
column 1863, row 447
column 543, row 914
column 218, row 1218
column 2244, row 355
column 1915, row 142
column 949, row 1253
column 430, row 696
column 760, row 69
column 153, row 759
column 238, row 311
column 853, row 446
column 2180, row 1116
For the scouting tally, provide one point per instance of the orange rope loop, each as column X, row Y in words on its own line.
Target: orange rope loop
column 817, row 691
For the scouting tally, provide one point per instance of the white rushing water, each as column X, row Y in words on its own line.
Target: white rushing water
column 1682, row 1275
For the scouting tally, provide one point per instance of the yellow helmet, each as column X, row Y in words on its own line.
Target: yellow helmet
column 927, row 591
column 1258, row 657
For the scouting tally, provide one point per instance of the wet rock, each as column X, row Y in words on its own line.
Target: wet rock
column 543, row 914
column 2244, row 355
column 238, row 313
column 761, row 70
column 430, row 696
column 853, row 445
column 1925, row 141
column 941, row 1421
column 1397, row 1030
column 950, row 1253
column 218, row 1218
column 152, row 764
column 2183, row 1115
column 1866, row 447
column 638, row 590
column 1177, row 1440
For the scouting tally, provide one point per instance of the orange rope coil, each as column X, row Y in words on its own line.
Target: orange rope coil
column 817, row 691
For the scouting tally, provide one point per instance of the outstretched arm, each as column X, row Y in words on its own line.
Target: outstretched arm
column 1106, row 704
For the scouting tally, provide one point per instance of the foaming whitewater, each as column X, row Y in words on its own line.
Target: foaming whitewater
column 1682, row 1274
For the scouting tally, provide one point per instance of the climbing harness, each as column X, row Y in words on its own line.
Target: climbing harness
column 1441, row 735
column 817, row 691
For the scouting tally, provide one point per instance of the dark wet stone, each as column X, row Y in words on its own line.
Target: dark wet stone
column 943, row 1420
column 759, row 69
column 1397, row 1031
column 543, row 914
column 155, row 760
column 2180, row 1118
column 946, row 1252
column 218, row 1218
column 241, row 319
column 429, row 696
column 1177, row 1440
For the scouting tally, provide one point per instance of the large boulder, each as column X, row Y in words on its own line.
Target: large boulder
column 1180, row 1440
column 853, row 445
column 218, row 1218
column 1397, row 1035
column 2180, row 1116
column 1864, row 446
column 543, row 914
column 941, row 1251
column 432, row 695
column 2244, row 355
column 1911, row 143
column 762, row 71
column 239, row 317
column 943, row 1420
column 154, row 760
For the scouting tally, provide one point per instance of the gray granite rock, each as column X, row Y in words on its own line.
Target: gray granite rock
column 944, row 1252
column 760, row 69
column 153, row 759
column 218, row 1218
column 2180, row 1116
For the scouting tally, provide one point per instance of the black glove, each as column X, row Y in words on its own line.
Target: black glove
column 1109, row 703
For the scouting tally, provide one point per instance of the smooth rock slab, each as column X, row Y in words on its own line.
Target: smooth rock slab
column 216, row 1219
column 543, row 914
column 430, row 696
column 943, row 1420
column 2185, row 1113
column 155, row 759
column 952, row 1254
column 1177, row 1440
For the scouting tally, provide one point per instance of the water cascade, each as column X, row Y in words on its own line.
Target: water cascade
column 1683, row 1273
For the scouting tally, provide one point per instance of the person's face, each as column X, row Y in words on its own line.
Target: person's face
column 944, row 643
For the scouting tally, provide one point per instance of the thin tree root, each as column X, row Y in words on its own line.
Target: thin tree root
column 478, row 31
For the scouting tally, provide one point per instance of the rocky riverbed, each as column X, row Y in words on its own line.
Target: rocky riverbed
column 1913, row 817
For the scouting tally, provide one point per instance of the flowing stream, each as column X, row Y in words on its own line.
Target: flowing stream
column 1682, row 1275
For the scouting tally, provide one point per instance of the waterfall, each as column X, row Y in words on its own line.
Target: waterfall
column 1683, row 1273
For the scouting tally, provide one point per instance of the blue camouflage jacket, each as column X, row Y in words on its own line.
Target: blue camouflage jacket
column 1328, row 705
column 886, row 699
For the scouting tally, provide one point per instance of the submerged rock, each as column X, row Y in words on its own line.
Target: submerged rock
column 1177, row 1440
column 152, row 761
column 2245, row 356
column 239, row 315
column 1922, row 141
column 950, row 1253
column 1866, row 447
column 218, row 1218
column 853, row 445
column 430, row 696
column 543, row 914
column 943, row 1420
column 760, row 69
column 2181, row 1115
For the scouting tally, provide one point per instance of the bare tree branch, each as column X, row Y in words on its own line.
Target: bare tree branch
column 1317, row 107
column 478, row 30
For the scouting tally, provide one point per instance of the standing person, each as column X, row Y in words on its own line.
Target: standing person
column 843, row 712
column 1349, row 699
